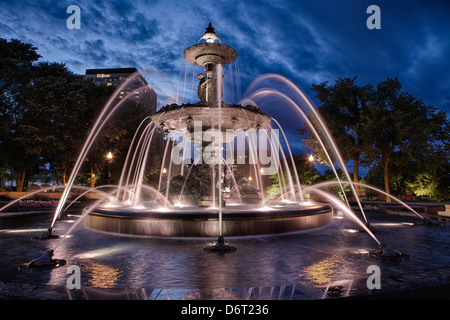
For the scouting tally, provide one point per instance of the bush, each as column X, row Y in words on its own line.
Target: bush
column 35, row 204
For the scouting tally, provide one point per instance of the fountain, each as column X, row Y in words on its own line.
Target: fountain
column 215, row 161
column 208, row 194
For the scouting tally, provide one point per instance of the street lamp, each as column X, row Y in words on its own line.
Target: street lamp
column 109, row 156
column 311, row 167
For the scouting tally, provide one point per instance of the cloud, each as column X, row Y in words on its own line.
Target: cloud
column 308, row 42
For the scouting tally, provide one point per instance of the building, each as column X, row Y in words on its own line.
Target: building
column 142, row 92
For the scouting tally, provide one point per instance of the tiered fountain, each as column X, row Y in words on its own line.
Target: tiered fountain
column 211, row 150
column 209, row 196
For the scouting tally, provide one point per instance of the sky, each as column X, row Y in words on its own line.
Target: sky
column 307, row 42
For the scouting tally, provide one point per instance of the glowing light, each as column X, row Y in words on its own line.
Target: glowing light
column 311, row 158
column 179, row 205
column 351, row 230
column 164, row 170
column 250, row 178
column 23, row 230
column 266, row 208
column 210, row 36
column 393, row 224
column 100, row 252
column 109, row 156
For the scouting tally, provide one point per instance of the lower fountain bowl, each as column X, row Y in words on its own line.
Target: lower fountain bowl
column 198, row 222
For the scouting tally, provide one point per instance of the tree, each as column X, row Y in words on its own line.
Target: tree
column 342, row 106
column 307, row 175
column 402, row 129
column 16, row 69
column 115, row 136
column 46, row 113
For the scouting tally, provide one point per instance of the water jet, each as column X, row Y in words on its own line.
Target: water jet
column 388, row 253
column 220, row 246
column 46, row 261
column 48, row 235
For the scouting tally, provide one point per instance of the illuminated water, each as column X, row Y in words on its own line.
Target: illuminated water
column 312, row 259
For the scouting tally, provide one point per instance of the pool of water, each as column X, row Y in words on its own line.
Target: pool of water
column 311, row 259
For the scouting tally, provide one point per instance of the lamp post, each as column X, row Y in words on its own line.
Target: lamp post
column 109, row 156
column 311, row 167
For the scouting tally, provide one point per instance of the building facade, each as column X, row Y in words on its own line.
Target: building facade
column 142, row 92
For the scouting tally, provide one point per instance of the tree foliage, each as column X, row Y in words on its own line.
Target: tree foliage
column 403, row 131
column 46, row 112
column 342, row 106
column 16, row 68
column 383, row 126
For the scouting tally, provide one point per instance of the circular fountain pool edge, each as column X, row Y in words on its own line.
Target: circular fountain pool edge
column 206, row 224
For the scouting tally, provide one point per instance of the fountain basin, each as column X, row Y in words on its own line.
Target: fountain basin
column 197, row 222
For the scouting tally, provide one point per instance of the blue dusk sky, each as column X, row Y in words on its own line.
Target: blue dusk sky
column 308, row 42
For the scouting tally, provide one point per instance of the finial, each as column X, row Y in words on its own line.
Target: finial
column 210, row 28
column 210, row 36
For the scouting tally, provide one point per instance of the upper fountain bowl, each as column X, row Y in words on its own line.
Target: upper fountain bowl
column 210, row 52
column 205, row 53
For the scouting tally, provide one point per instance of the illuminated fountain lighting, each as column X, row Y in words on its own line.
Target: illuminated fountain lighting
column 224, row 203
column 209, row 199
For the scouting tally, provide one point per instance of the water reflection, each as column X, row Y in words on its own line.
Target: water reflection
column 321, row 272
column 306, row 259
column 100, row 275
